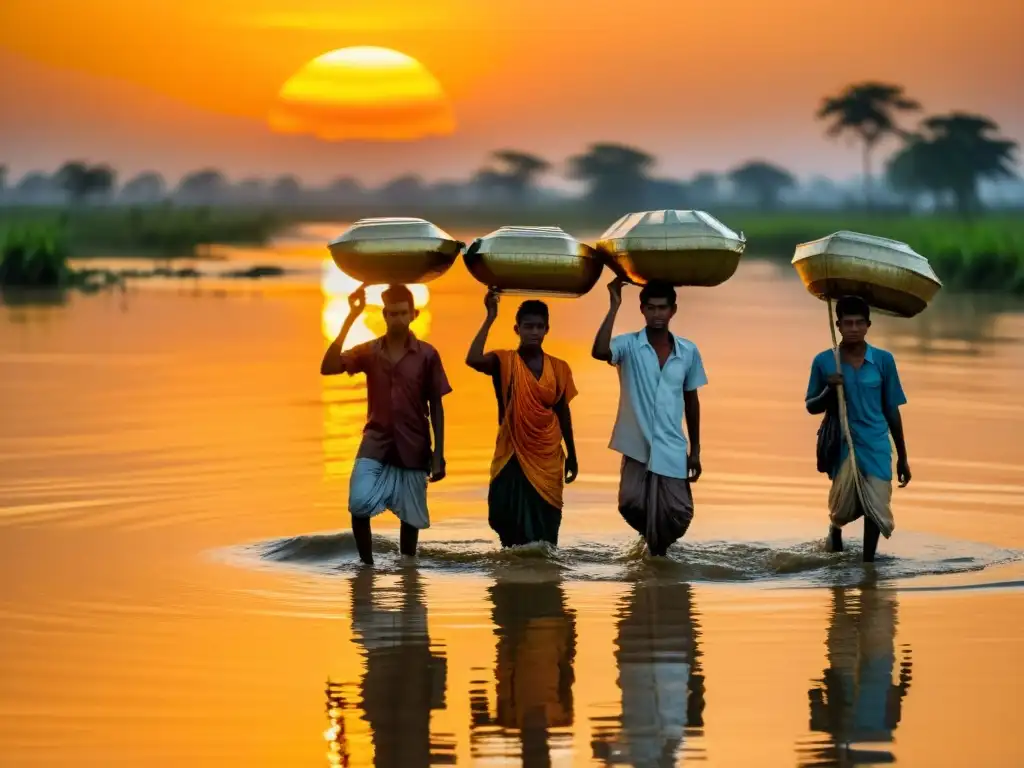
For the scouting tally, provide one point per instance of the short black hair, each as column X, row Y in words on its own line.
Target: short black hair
column 533, row 307
column 396, row 294
column 852, row 305
column 658, row 290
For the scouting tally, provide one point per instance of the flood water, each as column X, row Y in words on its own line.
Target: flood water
column 179, row 589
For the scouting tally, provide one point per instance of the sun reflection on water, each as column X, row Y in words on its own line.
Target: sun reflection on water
column 334, row 735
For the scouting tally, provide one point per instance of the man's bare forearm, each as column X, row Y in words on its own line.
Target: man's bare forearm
column 437, row 422
column 476, row 358
column 334, row 361
column 602, row 349
column 896, row 429
column 565, row 423
column 821, row 402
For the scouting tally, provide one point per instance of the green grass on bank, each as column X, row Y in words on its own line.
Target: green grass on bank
column 33, row 255
column 984, row 255
column 163, row 231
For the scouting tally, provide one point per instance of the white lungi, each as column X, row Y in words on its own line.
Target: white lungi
column 375, row 487
column 874, row 498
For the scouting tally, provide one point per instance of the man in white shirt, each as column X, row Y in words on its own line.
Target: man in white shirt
column 659, row 375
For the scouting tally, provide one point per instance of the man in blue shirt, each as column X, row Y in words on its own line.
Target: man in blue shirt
column 873, row 397
column 659, row 375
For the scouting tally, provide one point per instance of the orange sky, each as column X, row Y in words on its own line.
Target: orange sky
column 702, row 84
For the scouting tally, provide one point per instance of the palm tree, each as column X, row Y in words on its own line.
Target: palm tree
column 616, row 175
column 520, row 171
column 763, row 181
column 968, row 151
column 913, row 170
column 951, row 155
column 867, row 110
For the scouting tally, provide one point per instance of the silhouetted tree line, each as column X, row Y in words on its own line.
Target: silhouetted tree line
column 613, row 174
column 947, row 157
column 945, row 160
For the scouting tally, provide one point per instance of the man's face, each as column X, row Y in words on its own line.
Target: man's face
column 657, row 313
column 532, row 329
column 399, row 316
column 853, row 328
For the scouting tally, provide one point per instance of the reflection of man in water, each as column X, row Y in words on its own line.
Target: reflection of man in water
column 404, row 679
column 659, row 676
column 534, row 673
column 856, row 700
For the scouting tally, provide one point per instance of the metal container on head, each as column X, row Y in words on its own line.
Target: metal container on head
column 394, row 250
column 534, row 260
column 888, row 274
column 677, row 247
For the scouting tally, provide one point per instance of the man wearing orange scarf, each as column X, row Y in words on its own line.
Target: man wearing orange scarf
column 533, row 391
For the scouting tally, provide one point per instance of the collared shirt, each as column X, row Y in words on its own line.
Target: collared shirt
column 397, row 430
column 649, row 425
column 876, row 382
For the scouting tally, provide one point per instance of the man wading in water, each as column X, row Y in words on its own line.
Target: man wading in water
column 405, row 382
column 659, row 375
column 873, row 397
column 533, row 390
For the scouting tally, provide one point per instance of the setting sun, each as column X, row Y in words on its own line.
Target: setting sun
column 366, row 93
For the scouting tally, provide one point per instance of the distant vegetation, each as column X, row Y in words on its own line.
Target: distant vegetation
column 867, row 111
column 33, row 255
column 162, row 230
column 986, row 255
column 930, row 195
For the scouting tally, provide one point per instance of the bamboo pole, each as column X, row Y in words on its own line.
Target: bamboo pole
column 843, row 418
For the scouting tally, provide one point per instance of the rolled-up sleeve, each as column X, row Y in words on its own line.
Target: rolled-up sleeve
column 816, row 382
column 357, row 359
column 894, row 395
column 569, row 391
column 695, row 375
column 437, row 379
column 620, row 347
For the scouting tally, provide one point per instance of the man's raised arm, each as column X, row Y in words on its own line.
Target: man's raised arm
column 335, row 361
column 602, row 349
column 476, row 358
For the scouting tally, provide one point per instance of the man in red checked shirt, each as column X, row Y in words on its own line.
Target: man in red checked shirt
column 405, row 382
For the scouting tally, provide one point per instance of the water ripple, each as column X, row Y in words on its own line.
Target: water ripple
column 803, row 562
